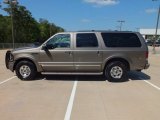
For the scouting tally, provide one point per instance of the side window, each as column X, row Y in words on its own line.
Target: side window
column 59, row 41
column 121, row 40
column 86, row 40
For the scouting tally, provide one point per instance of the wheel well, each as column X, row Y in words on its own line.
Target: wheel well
column 23, row 59
column 118, row 59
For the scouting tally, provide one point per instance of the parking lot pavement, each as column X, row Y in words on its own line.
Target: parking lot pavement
column 153, row 71
column 81, row 97
column 34, row 100
column 157, row 49
column 132, row 100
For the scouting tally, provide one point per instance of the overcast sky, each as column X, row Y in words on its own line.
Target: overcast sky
column 95, row 14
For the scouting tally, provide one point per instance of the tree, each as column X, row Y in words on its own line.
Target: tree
column 48, row 29
column 26, row 28
column 5, row 29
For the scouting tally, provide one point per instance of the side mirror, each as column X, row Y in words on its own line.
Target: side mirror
column 44, row 47
column 48, row 46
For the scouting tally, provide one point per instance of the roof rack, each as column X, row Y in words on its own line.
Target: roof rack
column 102, row 31
column 93, row 30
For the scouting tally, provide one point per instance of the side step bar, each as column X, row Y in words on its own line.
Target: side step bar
column 70, row 73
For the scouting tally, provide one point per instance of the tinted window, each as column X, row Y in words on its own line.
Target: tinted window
column 121, row 40
column 59, row 41
column 86, row 40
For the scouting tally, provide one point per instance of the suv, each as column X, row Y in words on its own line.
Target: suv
column 111, row 53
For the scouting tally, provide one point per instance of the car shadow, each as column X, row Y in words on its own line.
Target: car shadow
column 74, row 77
column 135, row 75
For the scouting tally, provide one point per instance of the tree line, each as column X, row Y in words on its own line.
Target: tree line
column 26, row 28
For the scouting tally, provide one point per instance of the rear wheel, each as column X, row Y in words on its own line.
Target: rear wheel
column 25, row 70
column 116, row 71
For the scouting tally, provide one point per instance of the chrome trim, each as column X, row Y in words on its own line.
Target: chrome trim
column 54, row 65
column 69, row 62
column 70, row 73
column 116, row 72
column 25, row 71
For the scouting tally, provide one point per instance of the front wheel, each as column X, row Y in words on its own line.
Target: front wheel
column 116, row 71
column 25, row 70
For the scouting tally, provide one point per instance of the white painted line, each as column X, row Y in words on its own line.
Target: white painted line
column 152, row 84
column 158, row 88
column 70, row 104
column 7, row 80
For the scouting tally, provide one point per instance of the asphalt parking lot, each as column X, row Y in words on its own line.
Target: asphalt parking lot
column 81, row 97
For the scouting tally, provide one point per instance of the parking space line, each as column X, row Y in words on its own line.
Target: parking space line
column 152, row 84
column 158, row 88
column 71, row 100
column 7, row 80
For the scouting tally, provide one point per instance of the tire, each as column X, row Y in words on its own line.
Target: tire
column 116, row 71
column 25, row 70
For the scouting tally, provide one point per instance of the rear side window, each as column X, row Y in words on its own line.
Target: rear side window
column 86, row 40
column 121, row 40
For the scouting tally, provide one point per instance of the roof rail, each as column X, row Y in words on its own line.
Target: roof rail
column 102, row 31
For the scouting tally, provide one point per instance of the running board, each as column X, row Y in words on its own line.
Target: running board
column 70, row 73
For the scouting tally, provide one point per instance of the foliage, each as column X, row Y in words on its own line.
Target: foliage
column 5, row 29
column 26, row 28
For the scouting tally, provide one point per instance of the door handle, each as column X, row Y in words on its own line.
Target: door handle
column 98, row 53
column 68, row 52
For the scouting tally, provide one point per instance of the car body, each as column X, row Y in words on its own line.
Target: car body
column 149, row 42
column 152, row 43
column 157, row 43
column 111, row 53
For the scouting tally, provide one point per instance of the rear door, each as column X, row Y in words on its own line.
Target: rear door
column 87, row 54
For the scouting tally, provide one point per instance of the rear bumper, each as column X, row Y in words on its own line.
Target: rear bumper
column 146, row 65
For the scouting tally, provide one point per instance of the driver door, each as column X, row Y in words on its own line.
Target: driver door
column 57, row 55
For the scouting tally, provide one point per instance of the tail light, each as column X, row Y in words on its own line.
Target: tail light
column 146, row 54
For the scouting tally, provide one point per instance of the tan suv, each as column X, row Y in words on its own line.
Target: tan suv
column 111, row 53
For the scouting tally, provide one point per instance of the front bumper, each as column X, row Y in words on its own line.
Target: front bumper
column 9, row 61
column 11, row 66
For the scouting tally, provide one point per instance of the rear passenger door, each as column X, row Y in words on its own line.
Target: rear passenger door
column 87, row 54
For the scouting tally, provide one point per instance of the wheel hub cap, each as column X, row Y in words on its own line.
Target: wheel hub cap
column 25, row 71
column 116, row 72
